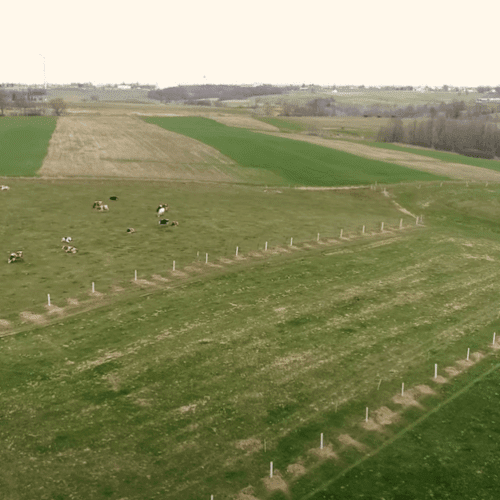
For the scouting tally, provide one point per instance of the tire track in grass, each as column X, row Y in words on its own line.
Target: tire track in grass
column 401, row 433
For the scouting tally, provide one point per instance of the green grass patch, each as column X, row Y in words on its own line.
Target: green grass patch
column 298, row 163
column 439, row 155
column 455, row 449
column 23, row 143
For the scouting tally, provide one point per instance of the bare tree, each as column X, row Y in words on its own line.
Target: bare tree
column 58, row 105
column 3, row 100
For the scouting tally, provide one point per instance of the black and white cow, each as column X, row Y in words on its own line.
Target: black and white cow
column 162, row 208
column 163, row 222
column 67, row 239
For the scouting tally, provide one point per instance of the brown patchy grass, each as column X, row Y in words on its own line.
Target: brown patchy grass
column 243, row 121
column 127, row 147
column 434, row 166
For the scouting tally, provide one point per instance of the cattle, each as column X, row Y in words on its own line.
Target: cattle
column 162, row 208
column 69, row 249
column 66, row 240
column 114, row 198
column 174, row 223
column 97, row 204
column 163, row 222
column 102, row 208
column 15, row 257
column 5, row 188
column 130, row 230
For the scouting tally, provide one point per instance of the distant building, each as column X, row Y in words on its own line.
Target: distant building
column 124, row 87
column 493, row 97
column 37, row 95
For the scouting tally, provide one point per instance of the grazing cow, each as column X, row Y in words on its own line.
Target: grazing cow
column 174, row 223
column 69, row 249
column 162, row 208
column 114, row 198
column 15, row 256
column 66, row 240
column 130, row 230
column 5, row 188
column 102, row 208
column 163, row 222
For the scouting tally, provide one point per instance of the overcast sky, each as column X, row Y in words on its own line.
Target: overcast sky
column 370, row 42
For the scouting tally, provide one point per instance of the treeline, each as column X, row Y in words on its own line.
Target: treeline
column 477, row 138
column 328, row 107
column 221, row 92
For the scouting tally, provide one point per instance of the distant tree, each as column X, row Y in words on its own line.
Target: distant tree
column 3, row 100
column 58, row 105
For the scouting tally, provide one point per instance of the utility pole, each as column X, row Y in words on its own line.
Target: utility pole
column 44, row 79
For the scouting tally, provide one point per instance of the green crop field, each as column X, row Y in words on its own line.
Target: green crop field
column 440, row 155
column 298, row 163
column 23, row 143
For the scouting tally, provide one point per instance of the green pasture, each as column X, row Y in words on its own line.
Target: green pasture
column 155, row 396
column 191, row 388
column 451, row 453
column 23, row 143
column 440, row 155
column 298, row 163
column 213, row 219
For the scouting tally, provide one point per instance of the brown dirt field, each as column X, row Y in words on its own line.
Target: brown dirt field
column 425, row 389
column 106, row 146
column 242, row 121
column 407, row 400
column 72, row 302
column 439, row 380
column 424, row 163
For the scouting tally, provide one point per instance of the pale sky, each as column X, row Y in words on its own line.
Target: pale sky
column 370, row 42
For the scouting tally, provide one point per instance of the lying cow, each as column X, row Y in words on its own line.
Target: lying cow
column 130, row 230
column 15, row 256
column 163, row 222
column 103, row 208
column 174, row 223
column 114, row 198
column 66, row 240
column 5, row 188
column 97, row 204
column 69, row 249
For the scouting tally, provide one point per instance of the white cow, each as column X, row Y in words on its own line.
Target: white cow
column 66, row 240
column 5, row 188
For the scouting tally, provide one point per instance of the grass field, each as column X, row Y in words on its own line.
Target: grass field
column 23, row 144
column 212, row 218
column 297, row 163
column 188, row 383
column 191, row 387
column 441, row 155
column 424, row 163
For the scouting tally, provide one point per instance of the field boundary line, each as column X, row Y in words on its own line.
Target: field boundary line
column 402, row 433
